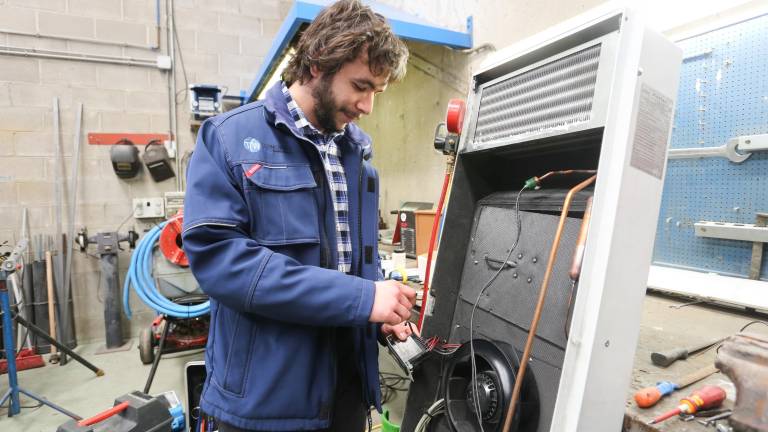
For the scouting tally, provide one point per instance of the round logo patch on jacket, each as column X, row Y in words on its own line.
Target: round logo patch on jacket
column 252, row 144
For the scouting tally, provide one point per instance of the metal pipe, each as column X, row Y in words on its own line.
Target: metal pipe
column 542, row 297
column 566, row 172
column 64, row 55
column 77, row 39
column 62, row 347
column 172, row 90
column 157, row 25
column 578, row 259
column 64, row 303
column 58, row 263
column 581, row 243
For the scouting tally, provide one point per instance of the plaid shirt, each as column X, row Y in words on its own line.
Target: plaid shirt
column 334, row 171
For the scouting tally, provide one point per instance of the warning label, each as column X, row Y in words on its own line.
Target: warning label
column 653, row 122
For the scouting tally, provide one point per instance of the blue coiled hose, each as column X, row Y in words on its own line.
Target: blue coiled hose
column 140, row 277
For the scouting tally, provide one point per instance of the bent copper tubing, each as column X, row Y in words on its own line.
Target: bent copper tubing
column 542, row 295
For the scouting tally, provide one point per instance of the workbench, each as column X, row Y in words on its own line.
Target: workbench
column 669, row 323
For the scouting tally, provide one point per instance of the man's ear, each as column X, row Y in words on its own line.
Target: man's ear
column 314, row 71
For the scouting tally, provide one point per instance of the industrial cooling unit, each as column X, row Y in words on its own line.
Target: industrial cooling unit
column 591, row 103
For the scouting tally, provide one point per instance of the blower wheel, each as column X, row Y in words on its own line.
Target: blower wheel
column 496, row 366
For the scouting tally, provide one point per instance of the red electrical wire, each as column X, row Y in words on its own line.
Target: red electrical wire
column 435, row 225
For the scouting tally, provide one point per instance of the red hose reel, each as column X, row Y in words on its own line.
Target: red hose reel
column 170, row 241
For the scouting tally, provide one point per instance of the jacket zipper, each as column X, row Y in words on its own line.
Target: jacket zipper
column 325, row 253
column 364, row 378
column 325, row 246
column 360, row 219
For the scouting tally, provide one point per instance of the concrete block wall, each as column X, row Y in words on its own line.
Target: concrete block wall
column 221, row 42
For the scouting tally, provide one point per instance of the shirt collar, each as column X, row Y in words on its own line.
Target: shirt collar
column 302, row 123
column 277, row 112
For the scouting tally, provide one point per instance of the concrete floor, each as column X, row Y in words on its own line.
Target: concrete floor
column 76, row 388
column 79, row 390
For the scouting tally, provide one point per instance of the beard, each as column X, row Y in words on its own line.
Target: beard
column 325, row 105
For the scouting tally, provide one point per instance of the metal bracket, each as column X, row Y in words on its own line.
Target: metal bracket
column 752, row 143
column 736, row 150
column 731, row 231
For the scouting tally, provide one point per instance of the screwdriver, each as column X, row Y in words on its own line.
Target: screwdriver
column 707, row 397
column 666, row 358
column 648, row 396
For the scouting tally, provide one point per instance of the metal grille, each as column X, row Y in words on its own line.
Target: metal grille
column 554, row 96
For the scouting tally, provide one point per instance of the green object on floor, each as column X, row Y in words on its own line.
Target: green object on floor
column 386, row 426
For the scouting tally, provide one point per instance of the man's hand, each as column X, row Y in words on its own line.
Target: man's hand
column 402, row 330
column 392, row 302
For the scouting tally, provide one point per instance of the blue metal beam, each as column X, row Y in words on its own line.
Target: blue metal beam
column 406, row 26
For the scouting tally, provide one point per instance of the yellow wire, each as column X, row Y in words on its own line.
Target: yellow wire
column 377, row 427
column 402, row 272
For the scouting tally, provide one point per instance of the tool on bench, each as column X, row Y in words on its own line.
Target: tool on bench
column 712, row 419
column 647, row 397
column 705, row 398
column 666, row 358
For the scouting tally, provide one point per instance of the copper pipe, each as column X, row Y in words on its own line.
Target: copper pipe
column 581, row 243
column 542, row 298
column 578, row 259
column 566, row 172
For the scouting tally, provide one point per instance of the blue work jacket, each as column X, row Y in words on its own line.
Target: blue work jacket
column 259, row 231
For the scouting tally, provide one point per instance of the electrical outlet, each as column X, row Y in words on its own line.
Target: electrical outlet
column 174, row 201
column 148, row 208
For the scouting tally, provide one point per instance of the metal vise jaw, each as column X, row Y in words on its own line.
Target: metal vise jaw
column 744, row 358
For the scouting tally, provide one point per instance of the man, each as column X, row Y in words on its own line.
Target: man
column 281, row 232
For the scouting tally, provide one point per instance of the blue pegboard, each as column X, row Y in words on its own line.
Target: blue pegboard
column 723, row 93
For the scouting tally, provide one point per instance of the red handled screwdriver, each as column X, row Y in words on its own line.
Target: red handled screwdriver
column 705, row 398
column 648, row 396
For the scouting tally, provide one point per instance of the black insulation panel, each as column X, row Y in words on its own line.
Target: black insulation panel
column 505, row 309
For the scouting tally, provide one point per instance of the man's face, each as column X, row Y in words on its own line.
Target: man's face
column 346, row 95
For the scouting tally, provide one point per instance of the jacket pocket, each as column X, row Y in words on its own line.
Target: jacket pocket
column 239, row 355
column 282, row 202
column 236, row 334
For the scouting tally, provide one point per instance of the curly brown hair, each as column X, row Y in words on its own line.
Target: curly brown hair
column 338, row 35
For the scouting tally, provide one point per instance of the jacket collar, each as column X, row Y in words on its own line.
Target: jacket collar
column 278, row 112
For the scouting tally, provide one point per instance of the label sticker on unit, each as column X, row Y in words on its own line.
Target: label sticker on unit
column 654, row 118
